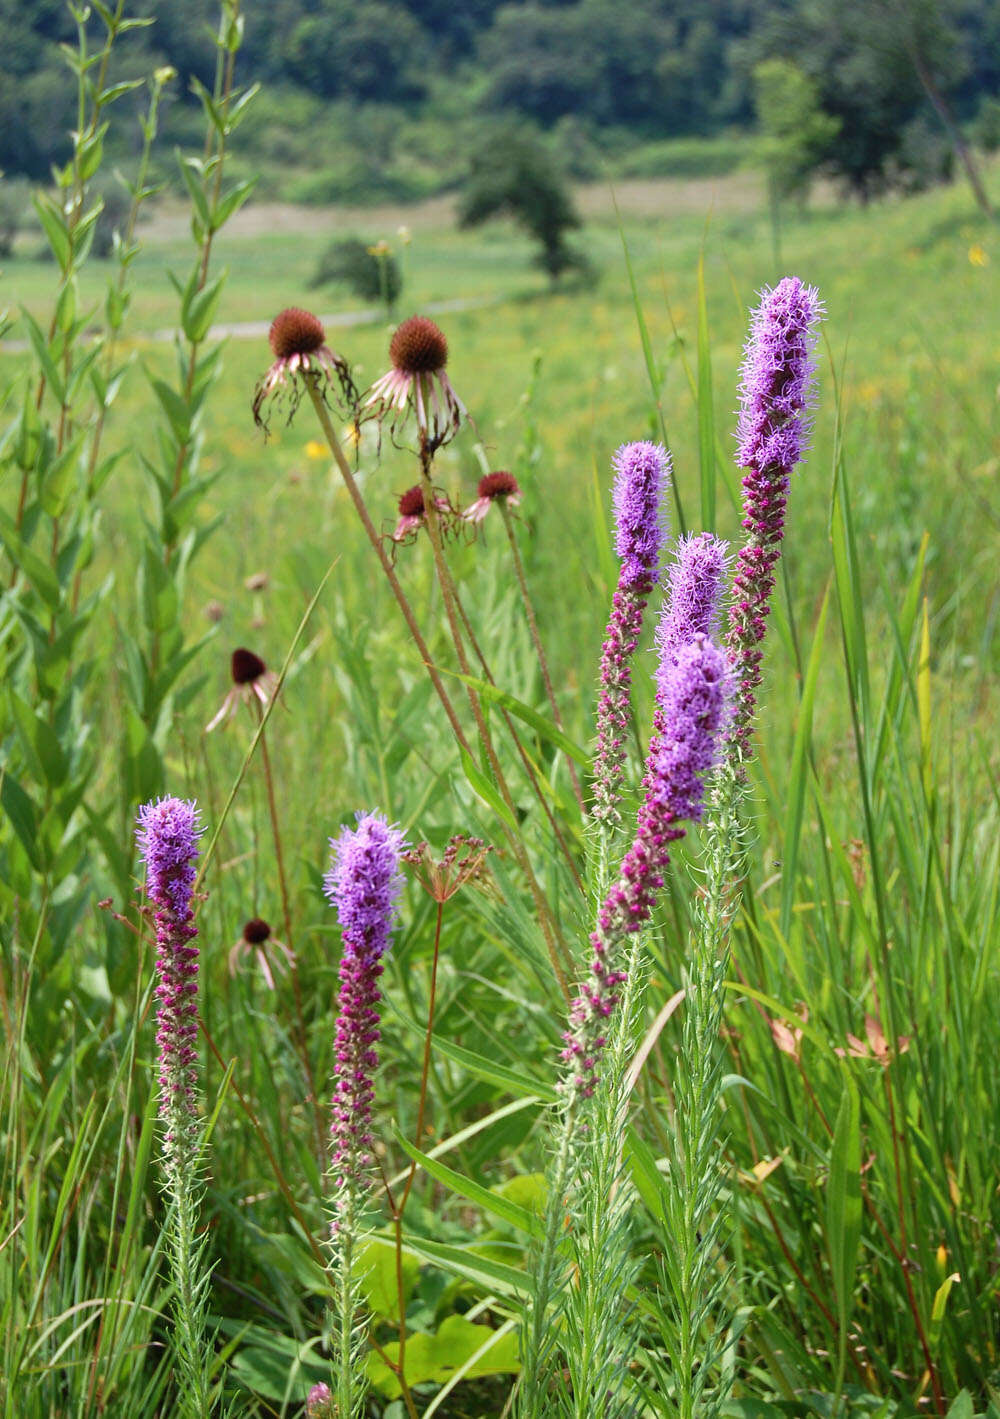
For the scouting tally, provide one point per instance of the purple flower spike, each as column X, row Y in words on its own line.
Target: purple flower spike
column 643, row 471
column 167, row 836
column 776, row 390
column 693, row 688
column 364, row 884
column 694, row 599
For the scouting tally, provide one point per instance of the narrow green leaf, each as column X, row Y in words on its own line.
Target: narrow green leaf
column 538, row 722
column 843, row 1210
column 54, row 225
column 523, row 1085
column 463, row 1186
column 706, row 409
column 798, row 775
column 23, row 816
column 485, row 790
column 482, row 1271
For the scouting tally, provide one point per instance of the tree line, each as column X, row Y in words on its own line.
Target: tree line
column 884, row 77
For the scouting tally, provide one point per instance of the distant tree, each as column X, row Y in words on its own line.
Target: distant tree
column 988, row 125
column 857, row 56
column 370, row 271
column 797, row 133
column 511, row 173
column 371, row 51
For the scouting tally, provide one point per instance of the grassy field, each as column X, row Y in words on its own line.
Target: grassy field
column 873, row 888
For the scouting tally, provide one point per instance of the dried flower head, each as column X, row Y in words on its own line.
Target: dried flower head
column 298, row 343
column 252, row 682
column 412, row 513
column 418, row 353
column 257, row 582
column 257, row 944
column 500, row 487
column 463, row 861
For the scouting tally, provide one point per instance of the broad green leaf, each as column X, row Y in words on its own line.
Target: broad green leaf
column 457, row 1344
column 375, row 1270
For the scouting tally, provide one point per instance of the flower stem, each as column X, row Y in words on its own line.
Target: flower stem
column 543, row 663
column 562, row 962
column 287, row 927
column 376, row 541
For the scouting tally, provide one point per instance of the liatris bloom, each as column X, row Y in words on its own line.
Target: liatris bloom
column 259, row 944
column 691, row 697
column 643, row 471
column 692, row 607
column 776, row 388
column 412, row 514
column 363, row 883
column 167, row 836
column 493, row 487
column 319, row 1402
column 298, row 343
column 251, row 680
column 418, row 352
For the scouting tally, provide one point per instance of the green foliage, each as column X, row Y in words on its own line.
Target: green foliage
column 988, row 125
column 512, row 174
column 798, row 134
column 371, row 272
column 373, row 51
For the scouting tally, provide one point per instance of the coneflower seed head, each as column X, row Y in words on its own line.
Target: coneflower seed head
column 497, row 485
column 246, row 666
column 418, row 347
column 295, row 332
column 411, row 503
column 256, row 931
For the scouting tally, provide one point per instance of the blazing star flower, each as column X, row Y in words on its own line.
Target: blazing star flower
column 776, row 390
column 319, row 1402
column 364, row 883
column 692, row 693
column 643, row 472
column 412, row 513
column 167, row 836
column 493, row 487
column 417, row 380
column 298, row 343
column 258, row 944
column 251, row 680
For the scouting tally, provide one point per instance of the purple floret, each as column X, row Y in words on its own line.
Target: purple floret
column 694, row 597
column 643, row 471
column 364, row 884
column 692, row 695
column 776, row 390
column 167, row 835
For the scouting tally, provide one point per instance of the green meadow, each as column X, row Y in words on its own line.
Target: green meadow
column 870, row 910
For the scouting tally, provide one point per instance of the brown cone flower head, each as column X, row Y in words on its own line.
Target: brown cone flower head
column 411, row 513
column 252, row 683
column 298, row 343
column 258, row 946
column 246, row 667
column 418, row 347
column 417, row 383
column 493, row 487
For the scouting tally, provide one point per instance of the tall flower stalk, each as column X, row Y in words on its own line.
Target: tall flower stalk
column 683, row 747
column 691, row 696
column 363, row 884
column 643, row 470
column 167, row 837
column 776, row 385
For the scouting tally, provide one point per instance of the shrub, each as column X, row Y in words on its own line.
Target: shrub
column 371, row 273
